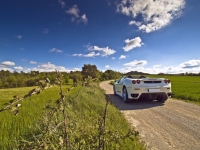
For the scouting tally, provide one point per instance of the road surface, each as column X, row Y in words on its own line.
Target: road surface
column 174, row 125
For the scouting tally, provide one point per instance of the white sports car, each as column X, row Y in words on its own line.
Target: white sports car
column 137, row 88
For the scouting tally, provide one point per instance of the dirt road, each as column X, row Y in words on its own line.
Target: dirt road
column 172, row 125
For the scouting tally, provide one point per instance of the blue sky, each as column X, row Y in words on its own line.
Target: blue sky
column 151, row 36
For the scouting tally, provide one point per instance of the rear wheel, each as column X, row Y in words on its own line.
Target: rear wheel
column 125, row 95
column 114, row 90
column 162, row 98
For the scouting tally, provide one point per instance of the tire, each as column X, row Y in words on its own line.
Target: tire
column 125, row 95
column 114, row 90
column 162, row 99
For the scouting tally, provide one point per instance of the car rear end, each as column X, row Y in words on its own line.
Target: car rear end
column 150, row 88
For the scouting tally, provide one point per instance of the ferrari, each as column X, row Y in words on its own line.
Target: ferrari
column 142, row 88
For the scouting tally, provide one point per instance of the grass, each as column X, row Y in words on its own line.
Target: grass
column 85, row 106
column 88, row 106
column 112, row 82
column 12, row 127
column 184, row 87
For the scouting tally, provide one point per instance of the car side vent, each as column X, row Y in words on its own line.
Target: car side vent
column 152, row 81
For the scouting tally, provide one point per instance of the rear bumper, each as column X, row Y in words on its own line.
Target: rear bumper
column 144, row 93
column 150, row 96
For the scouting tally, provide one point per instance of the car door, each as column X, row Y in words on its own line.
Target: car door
column 119, row 86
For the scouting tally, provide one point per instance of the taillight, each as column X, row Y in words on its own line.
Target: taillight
column 167, row 81
column 138, row 81
column 133, row 81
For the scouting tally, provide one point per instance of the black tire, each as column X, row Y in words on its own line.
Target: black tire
column 125, row 95
column 114, row 90
column 162, row 99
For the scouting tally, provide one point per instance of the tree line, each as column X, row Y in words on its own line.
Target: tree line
column 22, row 79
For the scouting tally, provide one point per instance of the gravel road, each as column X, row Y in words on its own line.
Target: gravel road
column 172, row 125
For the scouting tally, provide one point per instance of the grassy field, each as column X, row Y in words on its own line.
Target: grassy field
column 85, row 107
column 12, row 127
column 184, row 87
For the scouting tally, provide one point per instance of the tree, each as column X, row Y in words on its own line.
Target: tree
column 76, row 76
column 11, row 81
column 1, row 83
column 90, row 70
column 66, row 79
column 31, row 82
column 110, row 74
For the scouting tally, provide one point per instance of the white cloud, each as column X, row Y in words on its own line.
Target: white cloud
column 77, row 55
column 7, row 63
column 18, row 68
column 169, row 70
column 49, row 67
column 33, row 62
column 76, row 69
column 107, row 66
column 21, row 48
column 19, row 36
column 84, row 18
column 113, row 57
column 122, row 56
column 104, row 52
column 91, row 54
column 191, row 64
column 55, row 50
column 43, row 67
column 5, row 69
column 126, row 69
column 87, row 45
column 136, row 63
column 132, row 43
column 156, row 66
column 74, row 12
column 135, row 23
column 62, row 3
column 156, row 14
column 45, row 31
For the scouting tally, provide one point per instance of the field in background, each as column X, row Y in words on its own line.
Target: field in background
column 184, row 87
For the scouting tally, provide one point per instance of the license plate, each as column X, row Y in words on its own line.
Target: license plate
column 153, row 90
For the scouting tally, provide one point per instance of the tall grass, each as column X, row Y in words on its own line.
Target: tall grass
column 85, row 112
column 12, row 127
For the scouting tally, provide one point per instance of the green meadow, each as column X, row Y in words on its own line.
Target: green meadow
column 184, row 87
column 85, row 106
column 11, row 126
